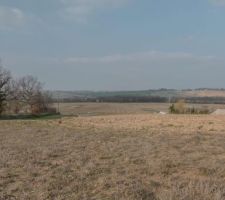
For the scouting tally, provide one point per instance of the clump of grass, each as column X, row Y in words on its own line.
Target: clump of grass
column 200, row 127
column 195, row 189
column 170, row 125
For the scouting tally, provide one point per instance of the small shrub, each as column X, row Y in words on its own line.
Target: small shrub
column 172, row 109
column 181, row 108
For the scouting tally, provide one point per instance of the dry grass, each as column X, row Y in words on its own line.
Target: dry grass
column 94, row 109
column 141, row 156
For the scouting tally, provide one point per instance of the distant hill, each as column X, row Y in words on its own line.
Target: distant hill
column 95, row 94
column 204, row 93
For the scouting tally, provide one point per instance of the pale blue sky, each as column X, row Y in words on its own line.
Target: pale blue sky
column 115, row 44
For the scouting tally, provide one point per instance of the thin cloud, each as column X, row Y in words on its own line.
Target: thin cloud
column 218, row 2
column 11, row 17
column 80, row 10
column 148, row 57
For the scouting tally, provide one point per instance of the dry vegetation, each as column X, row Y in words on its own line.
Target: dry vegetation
column 94, row 109
column 129, row 156
column 87, row 109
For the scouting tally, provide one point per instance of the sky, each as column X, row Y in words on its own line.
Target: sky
column 115, row 44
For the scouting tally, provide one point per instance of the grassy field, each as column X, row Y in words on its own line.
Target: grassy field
column 95, row 109
column 125, row 153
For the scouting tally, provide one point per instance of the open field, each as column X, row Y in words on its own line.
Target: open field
column 96, row 109
column 125, row 156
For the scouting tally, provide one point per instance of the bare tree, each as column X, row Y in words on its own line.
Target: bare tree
column 23, row 93
column 14, row 97
column 48, row 102
column 4, row 80
column 30, row 91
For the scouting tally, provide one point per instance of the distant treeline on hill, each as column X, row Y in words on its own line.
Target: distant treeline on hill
column 117, row 99
column 144, row 99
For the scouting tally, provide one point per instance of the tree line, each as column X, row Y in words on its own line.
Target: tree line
column 23, row 95
column 114, row 99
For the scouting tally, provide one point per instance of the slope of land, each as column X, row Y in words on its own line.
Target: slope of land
column 97, row 94
column 93, row 109
column 138, row 156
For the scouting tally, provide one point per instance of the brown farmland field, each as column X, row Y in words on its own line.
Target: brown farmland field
column 95, row 109
column 124, row 152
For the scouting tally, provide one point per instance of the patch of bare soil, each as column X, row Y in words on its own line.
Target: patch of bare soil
column 219, row 112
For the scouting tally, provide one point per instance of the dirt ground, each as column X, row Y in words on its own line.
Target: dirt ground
column 129, row 156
